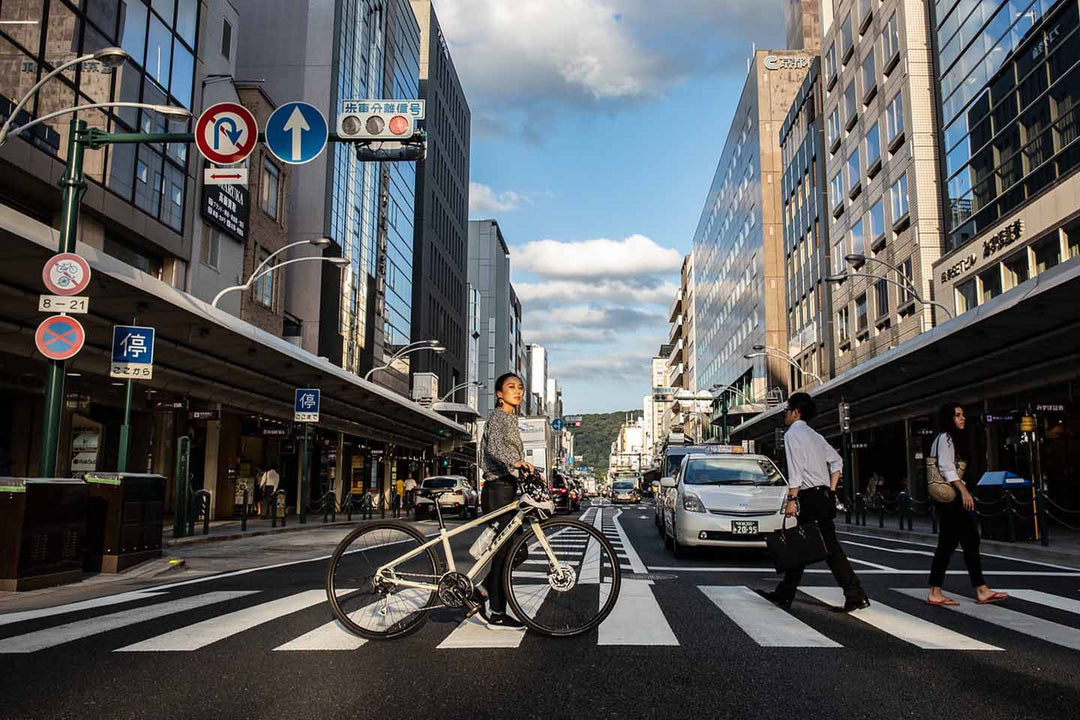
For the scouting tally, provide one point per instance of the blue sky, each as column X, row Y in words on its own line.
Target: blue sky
column 597, row 125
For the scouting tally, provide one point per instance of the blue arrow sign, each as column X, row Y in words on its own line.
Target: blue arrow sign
column 296, row 133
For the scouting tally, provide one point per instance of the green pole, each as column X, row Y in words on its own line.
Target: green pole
column 301, row 502
column 125, row 429
column 73, row 186
column 723, row 415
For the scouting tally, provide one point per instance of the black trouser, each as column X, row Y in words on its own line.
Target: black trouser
column 496, row 495
column 956, row 526
column 819, row 505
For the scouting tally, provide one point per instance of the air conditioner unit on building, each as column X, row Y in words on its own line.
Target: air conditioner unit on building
column 425, row 388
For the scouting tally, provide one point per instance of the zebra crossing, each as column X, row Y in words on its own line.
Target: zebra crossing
column 638, row 620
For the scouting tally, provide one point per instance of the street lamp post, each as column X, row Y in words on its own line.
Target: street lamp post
column 903, row 286
column 725, row 435
column 432, row 345
column 908, row 283
column 786, row 358
column 457, row 387
column 260, row 272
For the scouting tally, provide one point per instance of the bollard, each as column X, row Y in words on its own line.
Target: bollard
column 277, row 508
column 202, row 504
column 348, row 506
column 382, row 506
column 881, row 513
column 1043, row 519
column 243, row 512
column 901, row 508
column 1010, row 516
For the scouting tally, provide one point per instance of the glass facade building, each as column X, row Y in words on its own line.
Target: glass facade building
column 1010, row 116
column 161, row 38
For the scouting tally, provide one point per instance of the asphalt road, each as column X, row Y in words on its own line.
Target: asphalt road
column 689, row 639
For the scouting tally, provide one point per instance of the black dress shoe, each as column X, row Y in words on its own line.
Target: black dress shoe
column 852, row 605
column 503, row 620
column 774, row 597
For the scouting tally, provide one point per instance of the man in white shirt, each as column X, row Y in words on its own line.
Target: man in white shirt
column 814, row 469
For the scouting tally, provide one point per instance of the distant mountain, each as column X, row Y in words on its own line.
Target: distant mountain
column 592, row 441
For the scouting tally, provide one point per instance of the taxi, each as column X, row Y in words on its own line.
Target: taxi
column 722, row 498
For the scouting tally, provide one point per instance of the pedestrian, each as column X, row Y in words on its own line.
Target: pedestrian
column 956, row 517
column 502, row 456
column 814, row 467
column 410, row 493
column 399, row 496
column 268, row 482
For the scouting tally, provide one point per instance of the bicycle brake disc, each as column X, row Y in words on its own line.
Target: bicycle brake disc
column 563, row 579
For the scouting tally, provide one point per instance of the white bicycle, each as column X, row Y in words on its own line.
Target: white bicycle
column 385, row 578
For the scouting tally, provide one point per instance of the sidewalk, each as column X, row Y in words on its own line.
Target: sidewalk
column 224, row 530
column 1064, row 545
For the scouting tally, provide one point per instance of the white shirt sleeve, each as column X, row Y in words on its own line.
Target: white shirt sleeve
column 946, row 458
column 797, row 454
column 832, row 458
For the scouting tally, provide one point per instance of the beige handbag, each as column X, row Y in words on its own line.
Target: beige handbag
column 940, row 489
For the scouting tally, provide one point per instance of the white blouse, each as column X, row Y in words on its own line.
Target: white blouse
column 945, row 452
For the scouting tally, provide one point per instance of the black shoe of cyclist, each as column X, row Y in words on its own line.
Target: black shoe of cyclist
column 503, row 620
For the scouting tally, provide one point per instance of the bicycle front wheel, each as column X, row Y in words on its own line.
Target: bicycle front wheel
column 371, row 606
column 572, row 595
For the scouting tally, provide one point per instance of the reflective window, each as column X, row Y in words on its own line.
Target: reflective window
column 1016, row 269
column 861, row 321
column 833, row 128
column 991, row 283
column 843, row 326
column 876, row 218
column 894, row 117
column 873, row 145
column 967, row 296
column 858, row 246
column 907, row 279
column 890, row 39
column 869, row 74
column 830, row 62
column 263, row 289
column 159, row 52
column 133, row 30
column 186, row 20
column 269, row 189
column 836, row 190
column 898, row 197
column 881, row 298
column 854, row 176
column 846, row 39
column 850, row 104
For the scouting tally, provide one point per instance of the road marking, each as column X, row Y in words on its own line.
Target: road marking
column 872, row 571
column 870, row 564
column 103, row 623
column 1042, row 598
column 920, row 633
column 636, row 618
column 331, row 636
column 984, row 554
column 899, row 551
column 766, row 624
column 1009, row 619
column 210, row 631
column 475, row 633
column 14, row 617
column 635, row 561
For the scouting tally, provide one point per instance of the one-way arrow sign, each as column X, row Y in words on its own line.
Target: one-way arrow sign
column 225, row 176
column 296, row 133
column 295, row 126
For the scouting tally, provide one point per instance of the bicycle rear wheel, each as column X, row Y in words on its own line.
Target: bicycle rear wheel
column 372, row 608
column 572, row 598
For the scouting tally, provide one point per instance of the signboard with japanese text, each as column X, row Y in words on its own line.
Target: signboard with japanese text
column 306, row 405
column 132, row 352
column 226, row 207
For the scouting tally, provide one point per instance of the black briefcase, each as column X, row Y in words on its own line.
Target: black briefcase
column 796, row 547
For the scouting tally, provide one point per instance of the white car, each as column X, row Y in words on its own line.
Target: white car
column 462, row 498
column 723, row 499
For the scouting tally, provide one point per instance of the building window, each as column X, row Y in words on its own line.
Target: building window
column 210, row 251
column 881, row 298
column 877, row 222
column 857, row 244
column 890, row 42
column 834, row 129
column 226, row 38
column 843, row 327
column 991, row 283
column 847, row 46
column 830, row 64
column 263, row 291
column 907, row 280
column 894, row 118
column 873, row 150
column 836, row 192
column 1047, row 253
column 869, row 77
column 966, row 296
column 865, row 11
column 839, row 264
column 854, row 172
column 899, row 198
column 1072, row 241
column 861, row 321
column 1016, row 269
column 269, row 188
column 850, row 105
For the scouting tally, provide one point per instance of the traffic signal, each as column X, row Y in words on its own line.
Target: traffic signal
column 377, row 125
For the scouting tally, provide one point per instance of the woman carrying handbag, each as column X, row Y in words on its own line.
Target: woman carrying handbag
column 955, row 508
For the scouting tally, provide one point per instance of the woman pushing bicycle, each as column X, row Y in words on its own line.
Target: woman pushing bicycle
column 502, row 457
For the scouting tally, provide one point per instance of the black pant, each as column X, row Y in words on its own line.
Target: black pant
column 819, row 505
column 956, row 526
column 495, row 495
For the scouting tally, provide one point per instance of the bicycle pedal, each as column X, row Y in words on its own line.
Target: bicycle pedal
column 473, row 608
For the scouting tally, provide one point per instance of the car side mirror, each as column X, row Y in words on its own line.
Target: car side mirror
column 668, row 482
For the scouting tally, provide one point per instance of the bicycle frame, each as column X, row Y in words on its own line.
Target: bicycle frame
column 387, row 571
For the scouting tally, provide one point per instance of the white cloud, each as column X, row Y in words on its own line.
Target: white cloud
column 484, row 202
column 629, row 366
column 553, row 293
column 634, row 256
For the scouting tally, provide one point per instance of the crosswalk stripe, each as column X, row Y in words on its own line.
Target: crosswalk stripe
column 1010, row 619
column 766, row 624
column 475, row 633
column 79, row 629
column 20, row 616
column 636, row 618
column 204, row 633
column 908, row 628
column 331, row 636
column 1042, row 598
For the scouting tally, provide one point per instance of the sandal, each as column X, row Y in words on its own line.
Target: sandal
column 994, row 597
column 946, row 602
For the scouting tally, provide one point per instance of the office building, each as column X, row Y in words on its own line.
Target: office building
column 497, row 319
column 809, row 341
column 802, row 24
column 537, row 379
column 738, row 255
column 441, row 232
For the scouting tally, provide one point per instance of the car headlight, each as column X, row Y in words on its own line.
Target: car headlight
column 692, row 503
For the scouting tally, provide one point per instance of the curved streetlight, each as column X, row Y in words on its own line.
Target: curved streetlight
column 432, row 345
column 170, row 110
column 792, row 363
column 339, row 261
column 736, row 391
column 457, row 387
column 110, row 57
column 903, row 286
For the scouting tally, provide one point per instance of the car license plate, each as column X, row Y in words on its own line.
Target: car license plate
column 744, row 527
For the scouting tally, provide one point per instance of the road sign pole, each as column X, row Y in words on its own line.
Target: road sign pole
column 301, row 502
column 125, row 429
column 723, row 415
column 74, row 187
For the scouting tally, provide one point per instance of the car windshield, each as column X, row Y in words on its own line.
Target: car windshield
column 673, row 460
column 731, row 471
column 624, row 486
column 440, row 483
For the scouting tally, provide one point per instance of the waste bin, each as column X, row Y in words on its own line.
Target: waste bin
column 123, row 520
column 42, row 532
column 992, row 489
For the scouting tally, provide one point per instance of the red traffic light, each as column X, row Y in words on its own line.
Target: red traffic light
column 399, row 125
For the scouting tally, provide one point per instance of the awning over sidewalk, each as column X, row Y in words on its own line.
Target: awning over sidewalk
column 1024, row 339
column 201, row 352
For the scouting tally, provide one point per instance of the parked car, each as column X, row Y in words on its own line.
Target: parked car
column 722, row 499
column 560, row 492
column 673, row 457
column 463, row 497
column 625, row 491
